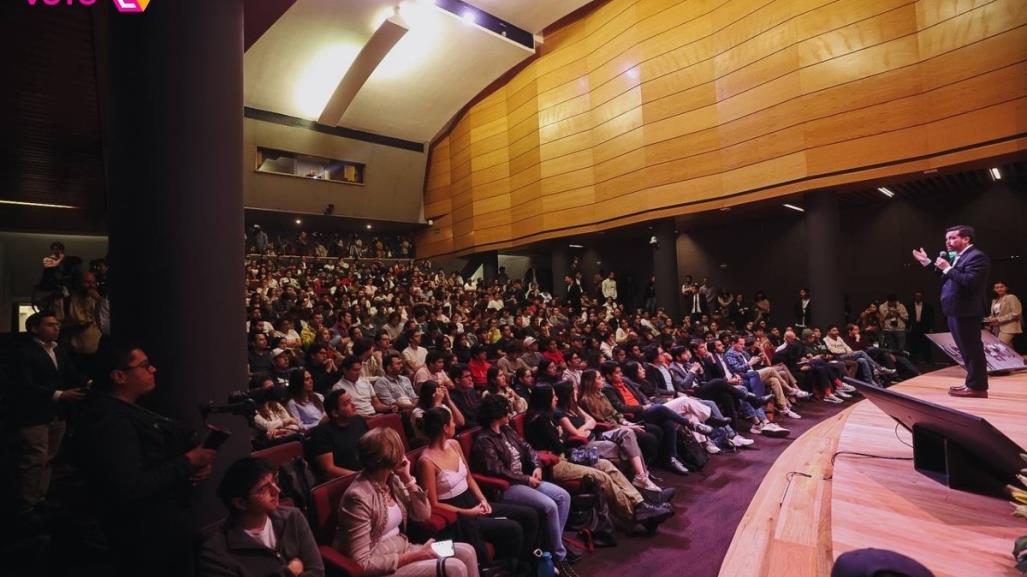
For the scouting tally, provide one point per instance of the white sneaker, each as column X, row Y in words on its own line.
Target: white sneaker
column 756, row 429
column 842, row 394
column 644, row 482
column 740, row 441
column 791, row 414
column 801, row 394
column 847, row 388
column 712, row 448
column 832, row 399
column 775, row 430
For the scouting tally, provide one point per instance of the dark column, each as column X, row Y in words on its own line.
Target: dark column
column 665, row 267
column 172, row 92
column 560, row 267
column 490, row 265
column 822, row 238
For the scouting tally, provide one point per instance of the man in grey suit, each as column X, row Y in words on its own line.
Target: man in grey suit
column 963, row 285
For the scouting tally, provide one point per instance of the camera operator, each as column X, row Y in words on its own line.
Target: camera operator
column 894, row 317
column 142, row 467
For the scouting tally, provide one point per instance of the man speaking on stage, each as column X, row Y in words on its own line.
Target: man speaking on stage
column 964, row 271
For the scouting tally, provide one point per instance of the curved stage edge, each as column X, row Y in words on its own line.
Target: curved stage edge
column 807, row 512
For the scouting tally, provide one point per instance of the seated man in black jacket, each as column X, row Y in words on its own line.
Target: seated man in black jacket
column 259, row 537
column 141, row 467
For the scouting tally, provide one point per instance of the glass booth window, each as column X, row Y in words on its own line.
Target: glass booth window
column 275, row 161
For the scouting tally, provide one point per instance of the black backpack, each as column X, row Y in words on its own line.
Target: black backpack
column 295, row 481
column 692, row 455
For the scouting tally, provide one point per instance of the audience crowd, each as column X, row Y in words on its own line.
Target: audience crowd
column 518, row 416
column 328, row 245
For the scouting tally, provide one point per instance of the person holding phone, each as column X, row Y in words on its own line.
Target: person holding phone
column 141, row 468
column 375, row 508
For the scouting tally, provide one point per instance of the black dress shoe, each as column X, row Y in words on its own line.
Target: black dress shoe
column 660, row 497
column 718, row 421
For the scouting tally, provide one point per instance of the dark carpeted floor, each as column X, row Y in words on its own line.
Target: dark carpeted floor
column 710, row 505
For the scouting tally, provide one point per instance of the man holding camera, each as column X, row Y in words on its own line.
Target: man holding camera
column 894, row 317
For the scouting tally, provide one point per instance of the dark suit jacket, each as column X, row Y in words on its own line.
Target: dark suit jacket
column 617, row 400
column 963, row 288
column 926, row 323
column 805, row 320
column 37, row 379
column 712, row 369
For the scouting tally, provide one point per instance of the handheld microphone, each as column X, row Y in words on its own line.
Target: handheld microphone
column 944, row 254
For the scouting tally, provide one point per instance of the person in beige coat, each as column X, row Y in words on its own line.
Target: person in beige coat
column 1006, row 319
column 374, row 511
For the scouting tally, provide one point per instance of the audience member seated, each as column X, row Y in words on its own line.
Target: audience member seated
column 464, row 395
column 321, row 365
column 433, row 396
column 281, row 366
column 497, row 385
column 394, row 389
column 443, row 472
column 259, row 356
column 259, row 537
column 273, row 423
column 500, row 452
column 375, row 508
column 434, row 369
column 305, row 404
column 332, row 446
column 626, row 503
column 616, row 443
column 361, row 391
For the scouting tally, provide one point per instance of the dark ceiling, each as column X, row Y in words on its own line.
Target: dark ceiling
column 50, row 142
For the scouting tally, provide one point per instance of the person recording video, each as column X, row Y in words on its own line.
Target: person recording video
column 141, row 468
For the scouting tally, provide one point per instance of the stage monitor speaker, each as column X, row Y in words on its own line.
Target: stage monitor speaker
column 963, row 451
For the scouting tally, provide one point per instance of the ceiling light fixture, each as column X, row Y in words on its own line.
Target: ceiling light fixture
column 368, row 226
column 38, row 204
column 576, row 245
column 996, row 174
column 469, row 17
column 298, row 221
column 885, row 191
column 795, row 208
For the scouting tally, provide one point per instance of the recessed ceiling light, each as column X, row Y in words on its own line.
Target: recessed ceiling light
column 795, row 208
column 576, row 245
column 996, row 174
column 885, row 191
column 368, row 226
column 725, row 208
column 37, row 204
column 298, row 221
column 469, row 17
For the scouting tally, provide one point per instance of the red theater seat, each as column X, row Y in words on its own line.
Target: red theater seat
column 325, row 504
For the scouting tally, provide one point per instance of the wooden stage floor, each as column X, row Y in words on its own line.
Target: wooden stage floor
column 807, row 512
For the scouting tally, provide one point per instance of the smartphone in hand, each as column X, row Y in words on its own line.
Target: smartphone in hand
column 443, row 549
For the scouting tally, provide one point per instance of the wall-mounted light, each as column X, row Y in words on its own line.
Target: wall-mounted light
column 576, row 245
column 37, row 204
column 996, row 174
column 885, row 191
column 795, row 208
column 298, row 221
column 368, row 226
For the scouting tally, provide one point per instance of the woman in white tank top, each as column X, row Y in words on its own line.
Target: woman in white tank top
column 442, row 470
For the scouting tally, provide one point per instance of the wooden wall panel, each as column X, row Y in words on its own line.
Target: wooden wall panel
column 645, row 109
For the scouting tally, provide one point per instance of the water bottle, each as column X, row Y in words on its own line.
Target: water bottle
column 545, row 564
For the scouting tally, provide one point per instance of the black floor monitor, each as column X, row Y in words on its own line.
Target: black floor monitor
column 958, row 449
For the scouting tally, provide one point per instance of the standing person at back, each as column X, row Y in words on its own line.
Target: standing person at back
column 964, row 271
column 47, row 381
